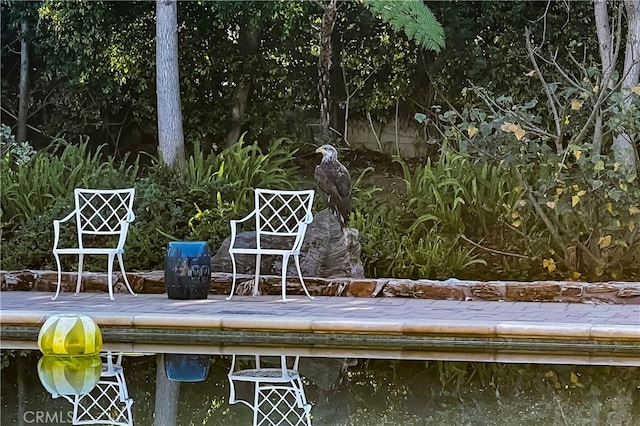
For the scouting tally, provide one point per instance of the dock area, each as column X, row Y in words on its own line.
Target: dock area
column 383, row 327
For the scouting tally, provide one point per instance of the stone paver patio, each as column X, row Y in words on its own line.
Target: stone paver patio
column 343, row 326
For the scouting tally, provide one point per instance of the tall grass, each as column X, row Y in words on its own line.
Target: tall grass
column 51, row 175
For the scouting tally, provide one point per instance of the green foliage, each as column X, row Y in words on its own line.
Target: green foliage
column 212, row 224
column 166, row 198
column 584, row 203
column 416, row 235
column 456, row 193
column 432, row 256
column 31, row 244
column 197, row 202
column 13, row 154
column 244, row 167
column 30, row 189
column 413, row 18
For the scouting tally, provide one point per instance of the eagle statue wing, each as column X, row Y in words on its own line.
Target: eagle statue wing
column 334, row 181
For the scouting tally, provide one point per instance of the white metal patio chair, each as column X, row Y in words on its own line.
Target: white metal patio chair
column 277, row 215
column 108, row 403
column 278, row 393
column 102, row 213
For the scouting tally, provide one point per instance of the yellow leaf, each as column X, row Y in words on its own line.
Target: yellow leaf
column 635, row 89
column 575, row 275
column 616, row 165
column 567, row 119
column 559, row 191
column 574, row 378
column 515, row 215
column 550, row 264
column 604, row 242
column 516, row 223
column 513, row 128
column 507, row 127
column 576, row 105
column 581, row 193
column 596, row 88
column 531, row 73
column 609, row 207
column 551, row 204
column 577, row 153
column 575, row 187
column 575, row 200
column 472, row 130
column 632, row 226
column 624, row 186
column 634, row 210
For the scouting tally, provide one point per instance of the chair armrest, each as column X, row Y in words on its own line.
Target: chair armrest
column 234, row 222
column 309, row 218
column 297, row 244
column 56, row 227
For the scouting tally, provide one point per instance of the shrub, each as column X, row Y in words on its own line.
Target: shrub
column 28, row 190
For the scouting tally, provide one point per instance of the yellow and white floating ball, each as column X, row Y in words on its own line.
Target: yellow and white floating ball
column 65, row 375
column 70, row 334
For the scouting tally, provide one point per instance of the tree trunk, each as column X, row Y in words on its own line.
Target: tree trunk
column 324, row 67
column 23, row 109
column 170, row 133
column 249, row 44
column 167, row 396
column 22, row 387
column 603, row 30
column 623, row 148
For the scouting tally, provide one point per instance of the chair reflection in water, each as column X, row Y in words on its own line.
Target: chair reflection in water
column 108, row 403
column 278, row 394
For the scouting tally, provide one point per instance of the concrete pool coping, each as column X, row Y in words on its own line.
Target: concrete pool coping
column 520, row 331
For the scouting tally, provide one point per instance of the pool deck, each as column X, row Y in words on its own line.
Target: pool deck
column 384, row 327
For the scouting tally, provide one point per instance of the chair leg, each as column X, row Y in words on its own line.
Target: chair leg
column 80, row 266
column 256, row 281
column 304, row 287
column 110, row 276
column 285, row 265
column 57, row 257
column 124, row 274
column 233, row 279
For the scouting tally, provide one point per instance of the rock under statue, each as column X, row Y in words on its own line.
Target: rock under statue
column 327, row 252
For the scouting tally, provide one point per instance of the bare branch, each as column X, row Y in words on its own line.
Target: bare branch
column 550, row 98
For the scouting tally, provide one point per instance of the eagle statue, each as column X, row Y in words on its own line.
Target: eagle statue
column 334, row 183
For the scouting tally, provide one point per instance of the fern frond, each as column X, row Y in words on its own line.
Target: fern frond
column 413, row 18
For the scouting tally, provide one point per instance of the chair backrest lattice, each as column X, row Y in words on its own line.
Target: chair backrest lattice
column 103, row 405
column 282, row 213
column 103, row 212
column 280, row 406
